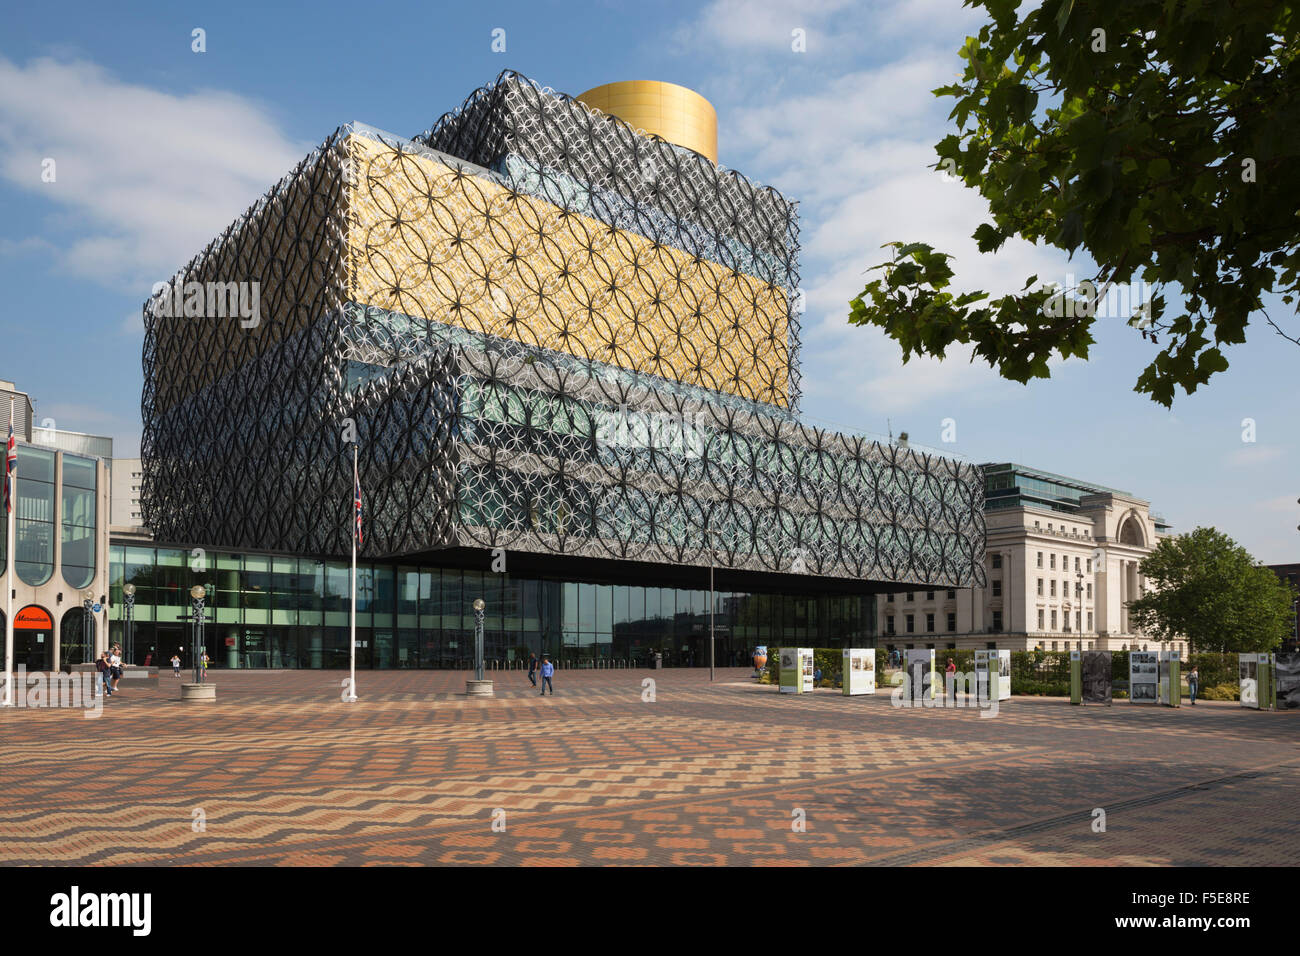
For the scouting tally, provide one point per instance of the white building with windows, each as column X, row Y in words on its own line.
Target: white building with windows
column 128, row 476
column 60, row 559
column 1062, row 561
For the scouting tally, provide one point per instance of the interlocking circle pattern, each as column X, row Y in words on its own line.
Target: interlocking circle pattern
column 552, row 334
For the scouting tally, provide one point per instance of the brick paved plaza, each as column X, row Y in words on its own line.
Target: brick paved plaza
column 285, row 773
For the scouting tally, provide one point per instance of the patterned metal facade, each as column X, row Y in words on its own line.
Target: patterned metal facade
column 555, row 335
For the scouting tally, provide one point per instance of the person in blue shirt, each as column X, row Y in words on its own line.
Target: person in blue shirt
column 547, row 670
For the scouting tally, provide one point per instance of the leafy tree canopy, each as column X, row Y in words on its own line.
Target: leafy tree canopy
column 1161, row 137
column 1209, row 589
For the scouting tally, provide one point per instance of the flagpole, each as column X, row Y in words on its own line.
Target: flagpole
column 10, row 521
column 352, row 605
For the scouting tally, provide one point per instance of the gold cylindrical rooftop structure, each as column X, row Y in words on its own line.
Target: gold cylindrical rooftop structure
column 679, row 115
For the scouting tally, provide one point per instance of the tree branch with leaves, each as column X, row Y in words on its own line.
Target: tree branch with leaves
column 1160, row 137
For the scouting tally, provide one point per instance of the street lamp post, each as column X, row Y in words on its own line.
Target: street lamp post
column 197, row 594
column 88, row 622
column 478, row 638
column 478, row 687
column 1078, row 595
column 712, row 602
column 128, row 594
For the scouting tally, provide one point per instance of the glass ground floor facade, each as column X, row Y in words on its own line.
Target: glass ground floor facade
column 277, row 611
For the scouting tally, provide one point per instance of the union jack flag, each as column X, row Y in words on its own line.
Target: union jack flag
column 357, row 504
column 11, row 462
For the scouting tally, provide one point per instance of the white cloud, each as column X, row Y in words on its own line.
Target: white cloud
column 856, row 149
column 832, row 28
column 93, row 420
column 32, row 245
column 146, row 178
column 1282, row 504
column 1252, row 455
column 755, row 25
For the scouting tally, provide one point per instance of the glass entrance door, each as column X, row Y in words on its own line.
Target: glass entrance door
column 175, row 639
column 75, row 645
column 33, row 648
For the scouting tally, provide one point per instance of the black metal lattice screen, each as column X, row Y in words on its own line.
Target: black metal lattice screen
column 552, row 334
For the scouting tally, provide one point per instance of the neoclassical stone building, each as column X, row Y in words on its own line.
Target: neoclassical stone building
column 1062, row 564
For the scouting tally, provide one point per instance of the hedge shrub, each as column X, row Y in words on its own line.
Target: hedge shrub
column 1041, row 689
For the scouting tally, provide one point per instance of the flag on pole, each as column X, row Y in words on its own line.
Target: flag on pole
column 11, row 461
column 356, row 482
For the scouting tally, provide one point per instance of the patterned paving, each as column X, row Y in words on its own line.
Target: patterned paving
column 280, row 771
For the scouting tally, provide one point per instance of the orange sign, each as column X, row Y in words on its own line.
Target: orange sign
column 33, row 618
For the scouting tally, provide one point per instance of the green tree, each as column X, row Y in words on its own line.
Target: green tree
column 1160, row 137
column 1208, row 589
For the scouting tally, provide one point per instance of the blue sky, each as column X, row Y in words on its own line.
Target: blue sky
column 158, row 148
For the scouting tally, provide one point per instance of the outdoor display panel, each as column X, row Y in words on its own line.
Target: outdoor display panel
column 1170, row 673
column 859, row 673
column 1095, row 676
column 1003, row 674
column 985, row 676
column 1286, row 671
column 1143, row 677
column 1257, row 682
column 993, row 674
column 920, row 662
column 806, row 670
column 796, row 670
column 1269, row 698
column 1248, row 679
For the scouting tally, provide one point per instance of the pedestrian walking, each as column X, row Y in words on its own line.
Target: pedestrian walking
column 532, row 668
column 105, row 674
column 115, row 666
column 950, row 678
column 203, row 672
column 1193, row 682
column 176, row 666
column 547, row 670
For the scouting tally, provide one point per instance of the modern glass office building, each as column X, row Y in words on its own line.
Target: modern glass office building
column 285, row 612
column 565, row 353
